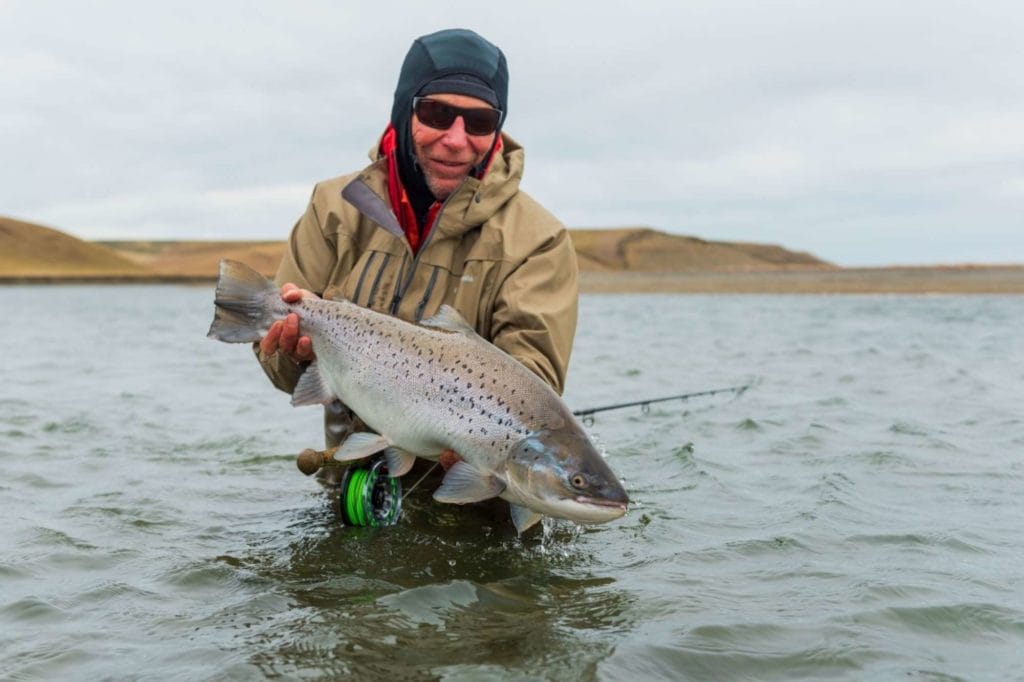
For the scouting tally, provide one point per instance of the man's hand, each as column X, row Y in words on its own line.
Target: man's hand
column 284, row 336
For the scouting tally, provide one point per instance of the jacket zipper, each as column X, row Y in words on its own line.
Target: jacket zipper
column 426, row 295
column 400, row 292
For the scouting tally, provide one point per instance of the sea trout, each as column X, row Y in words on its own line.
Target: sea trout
column 433, row 387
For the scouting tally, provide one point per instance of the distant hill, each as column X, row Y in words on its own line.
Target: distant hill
column 639, row 249
column 199, row 258
column 612, row 250
column 612, row 260
column 38, row 252
column 29, row 250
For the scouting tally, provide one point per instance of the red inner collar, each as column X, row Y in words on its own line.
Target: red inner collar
column 400, row 203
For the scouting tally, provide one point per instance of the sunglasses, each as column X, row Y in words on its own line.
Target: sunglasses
column 441, row 116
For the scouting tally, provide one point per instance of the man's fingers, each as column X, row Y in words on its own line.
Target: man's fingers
column 289, row 334
column 304, row 348
column 291, row 293
column 283, row 335
column 269, row 343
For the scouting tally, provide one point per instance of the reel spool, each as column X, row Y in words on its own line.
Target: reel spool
column 369, row 497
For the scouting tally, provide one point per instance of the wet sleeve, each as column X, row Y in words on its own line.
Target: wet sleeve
column 308, row 262
column 534, row 318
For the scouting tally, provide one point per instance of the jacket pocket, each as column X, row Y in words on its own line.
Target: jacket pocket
column 374, row 280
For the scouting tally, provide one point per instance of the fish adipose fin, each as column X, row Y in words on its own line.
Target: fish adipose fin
column 399, row 461
column 464, row 484
column 448, row 319
column 524, row 517
column 247, row 303
column 360, row 445
column 311, row 388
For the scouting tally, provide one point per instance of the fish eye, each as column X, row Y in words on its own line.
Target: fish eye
column 579, row 481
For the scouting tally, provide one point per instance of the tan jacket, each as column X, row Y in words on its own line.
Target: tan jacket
column 495, row 255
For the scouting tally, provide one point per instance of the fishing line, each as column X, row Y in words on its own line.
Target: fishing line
column 413, row 486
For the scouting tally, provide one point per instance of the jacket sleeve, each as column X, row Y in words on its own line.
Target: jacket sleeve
column 535, row 312
column 308, row 262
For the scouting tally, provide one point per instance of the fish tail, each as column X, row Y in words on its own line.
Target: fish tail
column 247, row 303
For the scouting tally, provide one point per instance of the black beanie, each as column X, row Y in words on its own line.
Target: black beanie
column 457, row 61
column 461, row 84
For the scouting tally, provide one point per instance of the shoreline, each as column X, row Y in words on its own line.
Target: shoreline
column 977, row 279
column 997, row 279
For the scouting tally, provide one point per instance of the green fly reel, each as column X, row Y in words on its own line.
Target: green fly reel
column 369, row 497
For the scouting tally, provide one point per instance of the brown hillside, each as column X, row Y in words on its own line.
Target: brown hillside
column 647, row 250
column 29, row 250
column 771, row 253
column 200, row 258
column 36, row 252
column 629, row 249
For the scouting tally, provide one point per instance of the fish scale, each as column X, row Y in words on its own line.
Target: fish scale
column 429, row 388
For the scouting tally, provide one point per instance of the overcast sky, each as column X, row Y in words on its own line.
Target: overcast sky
column 869, row 132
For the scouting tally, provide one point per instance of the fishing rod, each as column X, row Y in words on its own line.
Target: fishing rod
column 587, row 415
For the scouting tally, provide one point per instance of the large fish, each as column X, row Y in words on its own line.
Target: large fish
column 434, row 387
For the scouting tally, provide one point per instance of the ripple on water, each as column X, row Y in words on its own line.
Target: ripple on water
column 44, row 536
column 78, row 425
column 208, row 576
column 32, row 609
column 712, row 654
column 910, row 540
column 951, row 621
column 887, row 458
column 33, row 480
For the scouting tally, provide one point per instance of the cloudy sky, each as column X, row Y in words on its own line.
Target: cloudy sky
column 869, row 132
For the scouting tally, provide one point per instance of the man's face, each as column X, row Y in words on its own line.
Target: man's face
column 447, row 156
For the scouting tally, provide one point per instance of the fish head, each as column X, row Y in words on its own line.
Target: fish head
column 560, row 473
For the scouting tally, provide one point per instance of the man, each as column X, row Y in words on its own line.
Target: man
column 437, row 218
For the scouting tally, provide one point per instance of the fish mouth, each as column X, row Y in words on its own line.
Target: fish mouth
column 598, row 502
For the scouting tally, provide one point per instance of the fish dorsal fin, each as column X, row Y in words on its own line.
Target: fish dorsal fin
column 463, row 484
column 524, row 517
column 448, row 319
column 311, row 388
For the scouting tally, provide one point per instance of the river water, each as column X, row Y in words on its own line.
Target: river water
column 855, row 515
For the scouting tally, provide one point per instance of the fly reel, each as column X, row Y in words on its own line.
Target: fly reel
column 369, row 497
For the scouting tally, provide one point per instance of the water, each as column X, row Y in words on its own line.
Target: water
column 855, row 515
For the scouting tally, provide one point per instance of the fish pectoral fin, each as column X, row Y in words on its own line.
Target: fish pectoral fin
column 360, row 445
column 464, row 484
column 448, row 318
column 399, row 461
column 311, row 388
column 524, row 517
